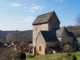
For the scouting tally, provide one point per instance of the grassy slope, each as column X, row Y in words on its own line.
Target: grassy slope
column 54, row 56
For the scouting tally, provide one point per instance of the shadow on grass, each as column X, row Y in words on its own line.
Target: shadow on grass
column 30, row 56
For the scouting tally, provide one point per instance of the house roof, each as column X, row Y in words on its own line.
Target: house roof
column 72, row 35
column 49, row 36
column 44, row 18
column 62, row 32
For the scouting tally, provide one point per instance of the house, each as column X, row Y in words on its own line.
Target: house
column 67, row 39
column 49, row 37
column 44, row 41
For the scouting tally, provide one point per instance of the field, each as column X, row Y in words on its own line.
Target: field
column 56, row 56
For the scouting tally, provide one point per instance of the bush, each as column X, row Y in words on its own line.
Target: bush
column 15, row 55
column 74, row 57
column 71, row 57
column 69, row 54
column 30, row 56
column 22, row 56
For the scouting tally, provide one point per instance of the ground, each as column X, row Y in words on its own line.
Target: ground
column 54, row 56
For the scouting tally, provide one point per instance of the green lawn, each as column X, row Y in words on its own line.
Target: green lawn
column 56, row 56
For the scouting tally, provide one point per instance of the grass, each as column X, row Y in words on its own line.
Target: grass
column 53, row 56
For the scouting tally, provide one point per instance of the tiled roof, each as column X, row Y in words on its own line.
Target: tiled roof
column 72, row 35
column 44, row 18
column 62, row 32
column 49, row 36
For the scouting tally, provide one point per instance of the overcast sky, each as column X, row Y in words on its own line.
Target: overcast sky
column 19, row 14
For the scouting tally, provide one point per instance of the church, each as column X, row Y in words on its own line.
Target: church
column 49, row 38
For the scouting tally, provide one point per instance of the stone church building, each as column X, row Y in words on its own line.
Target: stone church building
column 49, row 38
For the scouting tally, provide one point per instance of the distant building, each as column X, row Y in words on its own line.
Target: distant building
column 49, row 37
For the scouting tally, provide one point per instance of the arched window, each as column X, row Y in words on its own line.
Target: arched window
column 39, row 48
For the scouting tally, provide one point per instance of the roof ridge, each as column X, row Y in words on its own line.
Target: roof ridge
column 46, row 13
column 49, row 36
column 65, row 32
column 44, row 18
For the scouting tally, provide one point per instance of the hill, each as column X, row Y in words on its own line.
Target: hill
column 27, row 35
column 8, row 36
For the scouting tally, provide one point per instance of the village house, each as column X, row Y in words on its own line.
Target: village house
column 48, row 37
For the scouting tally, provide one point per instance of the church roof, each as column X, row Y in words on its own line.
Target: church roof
column 72, row 35
column 62, row 32
column 49, row 36
column 44, row 18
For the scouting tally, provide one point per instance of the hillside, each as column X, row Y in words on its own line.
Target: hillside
column 15, row 35
column 27, row 35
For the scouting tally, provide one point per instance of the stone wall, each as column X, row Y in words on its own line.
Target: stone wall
column 37, row 29
column 40, row 45
column 52, row 44
column 54, row 23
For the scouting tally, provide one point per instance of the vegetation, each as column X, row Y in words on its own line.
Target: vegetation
column 17, row 35
column 22, row 56
column 7, row 54
column 9, row 36
column 58, row 56
column 11, row 55
column 78, row 20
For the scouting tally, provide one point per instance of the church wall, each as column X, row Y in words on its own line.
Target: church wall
column 54, row 22
column 51, row 27
column 78, row 38
column 40, row 43
column 66, row 39
column 52, row 44
column 37, row 29
column 76, row 45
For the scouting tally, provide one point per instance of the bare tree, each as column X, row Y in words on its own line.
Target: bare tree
column 78, row 20
column 7, row 53
column 10, row 37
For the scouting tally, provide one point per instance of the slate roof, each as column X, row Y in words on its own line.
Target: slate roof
column 62, row 32
column 49, row 36
column 72, row 35
column 44, row 18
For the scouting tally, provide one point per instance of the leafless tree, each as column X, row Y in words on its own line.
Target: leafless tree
column 8, row 54
column 10, row 37
column 78, row 20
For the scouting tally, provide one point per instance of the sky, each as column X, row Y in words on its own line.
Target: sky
column 20, row 14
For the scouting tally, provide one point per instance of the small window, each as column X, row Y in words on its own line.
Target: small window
column 39, row 48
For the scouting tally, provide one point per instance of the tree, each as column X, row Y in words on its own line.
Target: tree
column 8, row 54
column 78, row 20
column 10, row 37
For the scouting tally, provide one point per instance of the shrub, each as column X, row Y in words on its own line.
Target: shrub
column 74, row 57
column 22, row 56
column 69, row 54
column 30, row 56
column 71, row 57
